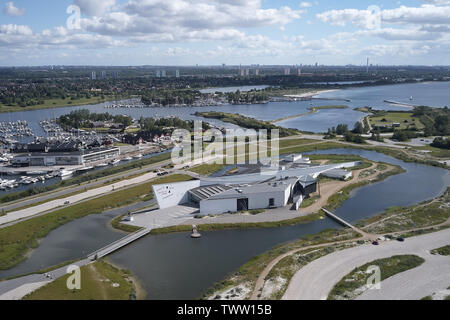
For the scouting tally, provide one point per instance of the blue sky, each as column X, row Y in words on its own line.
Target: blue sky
column 206, row 32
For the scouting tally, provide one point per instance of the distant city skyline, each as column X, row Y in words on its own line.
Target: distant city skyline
column 233, row 32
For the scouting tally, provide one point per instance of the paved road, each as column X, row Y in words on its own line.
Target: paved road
column 16, row 289
column 315, row 280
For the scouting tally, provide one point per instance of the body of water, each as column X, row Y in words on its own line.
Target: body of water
column 429, row 93
column 433, row 94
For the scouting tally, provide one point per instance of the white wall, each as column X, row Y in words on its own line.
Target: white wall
column 172, row 194
column 218, row 206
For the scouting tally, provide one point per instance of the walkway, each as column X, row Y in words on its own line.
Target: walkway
column 345, row 223
column 116, row 245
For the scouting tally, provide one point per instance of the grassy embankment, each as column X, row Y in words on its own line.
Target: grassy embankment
column 399, row 219
column 59, row 103
column 99, row 281
column 435, row 152
column 18, row 239
column 347, row 287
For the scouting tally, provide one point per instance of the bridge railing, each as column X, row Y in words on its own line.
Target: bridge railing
column 127, row 239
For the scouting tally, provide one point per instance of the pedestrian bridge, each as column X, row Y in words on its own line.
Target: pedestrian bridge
column 116, row 245
column 340, row 220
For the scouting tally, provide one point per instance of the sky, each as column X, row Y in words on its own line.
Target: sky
column 212, row 32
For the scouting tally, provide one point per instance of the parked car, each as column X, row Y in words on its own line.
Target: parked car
column 400, row 239
column 375, row 243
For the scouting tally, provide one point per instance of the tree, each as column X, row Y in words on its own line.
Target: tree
column 358, row 128
column 341, row 129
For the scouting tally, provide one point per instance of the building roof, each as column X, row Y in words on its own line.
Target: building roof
column 202, row 193
column 253, row 178
column 267, row 187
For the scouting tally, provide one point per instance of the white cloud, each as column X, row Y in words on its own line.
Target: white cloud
column 360, row 18
column 426, row 14
column 12, row 10
column 305, row 4
column 176, row 18
column 95, row 7
column 438, row 2
column 429, row 14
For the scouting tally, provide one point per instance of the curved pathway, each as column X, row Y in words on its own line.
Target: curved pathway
column 315, row 280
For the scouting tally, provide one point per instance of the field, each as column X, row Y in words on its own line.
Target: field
column 99, row 281
column 404, row 118
column 435, row 152
column 57, row 103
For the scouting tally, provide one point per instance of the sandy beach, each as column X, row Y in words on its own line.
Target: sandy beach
column 309, row 94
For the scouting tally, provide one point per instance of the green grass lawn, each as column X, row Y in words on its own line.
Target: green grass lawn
column 435, row 152
column 399, row 117
column 56, row 103
column 345, row 289
column 207, row 168
column 18, row 239
column 99, row 281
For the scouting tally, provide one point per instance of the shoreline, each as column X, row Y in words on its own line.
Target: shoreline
column 36, row 108
column 312, row 111
column 310, row 94
column 141, row 293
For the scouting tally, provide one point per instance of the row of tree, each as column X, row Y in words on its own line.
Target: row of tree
column 83, row 118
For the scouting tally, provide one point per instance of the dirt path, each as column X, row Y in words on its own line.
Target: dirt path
column 98, row 278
